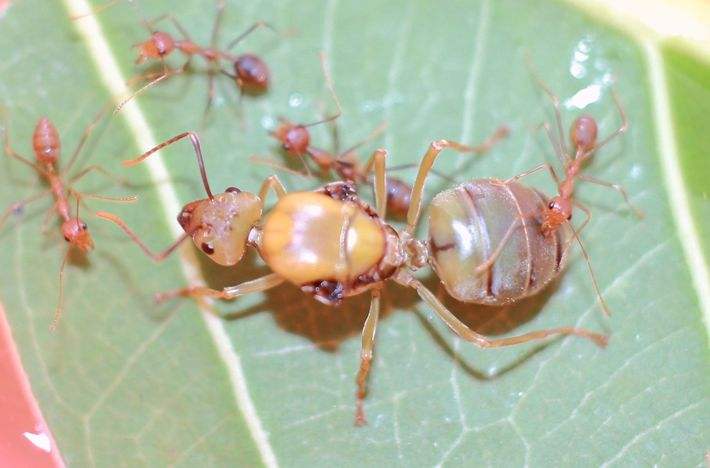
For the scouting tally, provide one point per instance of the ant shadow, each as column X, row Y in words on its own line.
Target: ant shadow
column 328, row 327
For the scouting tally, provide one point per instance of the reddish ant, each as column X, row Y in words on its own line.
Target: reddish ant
column 295, row 140
column 333, row 245
column 46, row 145
column 251, row 74
column 553, row 217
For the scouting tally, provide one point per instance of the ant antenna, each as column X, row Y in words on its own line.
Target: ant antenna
column 198, row 155
column 379, row 130
column 60, row 304
column 163, row 75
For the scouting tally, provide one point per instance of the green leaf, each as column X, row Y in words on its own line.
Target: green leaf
column 126, row 382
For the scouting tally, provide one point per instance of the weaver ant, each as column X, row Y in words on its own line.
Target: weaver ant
column 549, row 220
column 295, row 140
column 333, row 245
column 46, row 145
column 250, row 73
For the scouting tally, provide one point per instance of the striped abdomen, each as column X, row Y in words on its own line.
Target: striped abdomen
column 469, row 221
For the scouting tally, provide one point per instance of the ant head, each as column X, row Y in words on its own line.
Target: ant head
column 159, row 45
column 220, row 226
column 76, row 232
column 584, row 133
column 45, row 142
column 294, row 138
column 253, row 74
column 559, row 210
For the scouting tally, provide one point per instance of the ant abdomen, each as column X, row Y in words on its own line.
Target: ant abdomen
column 583, row 133
column 466, row 225
column 45, row 142
column 399, row 196
column 252, row 74
column 220, row 226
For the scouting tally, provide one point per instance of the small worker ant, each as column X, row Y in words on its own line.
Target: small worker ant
column 333, row 245
column 250, row 73
column 46, row 145
column 295, row 139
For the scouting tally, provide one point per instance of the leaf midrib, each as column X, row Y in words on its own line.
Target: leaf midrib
column 107, row 66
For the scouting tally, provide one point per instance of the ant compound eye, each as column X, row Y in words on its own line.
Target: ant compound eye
column 84, row 227
column 551, row 205
column 66, row 238
column 233, row 189
column 207, row 248
column 569, row 217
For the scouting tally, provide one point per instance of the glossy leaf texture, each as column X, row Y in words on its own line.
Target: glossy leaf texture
column 125, row 382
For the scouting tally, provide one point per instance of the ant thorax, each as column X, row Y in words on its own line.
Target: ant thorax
column 330, row 243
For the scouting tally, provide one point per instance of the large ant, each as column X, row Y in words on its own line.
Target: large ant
column 332, row 245
column 251, row 74
column 47, row 146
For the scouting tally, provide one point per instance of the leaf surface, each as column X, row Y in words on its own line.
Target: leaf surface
column 125, row 382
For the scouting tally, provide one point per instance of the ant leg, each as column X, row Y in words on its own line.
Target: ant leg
column 401, row 167
column 278, row 166
column 331, row 88
column 622, row 128
column 85, row 135
column 195, row 140
column 425, row 166
column 368, row 343
column 379, row 130
column 157, row 257
column 501, row 132
column 561, row 155
column 555, row 104
column 166, row 73
column 95, row 10
column 539, row 167
column 482, row 341
column 81, row 196
column 8, row 147
column 499, row 249
column 575, row 233
column 618, row 188
column 230, row 292
column 97, row 168
column 377, row 161
column 60, row 304
column 211, row 91
column 16, row 206
column 251, row 29
column 271, row 183
column 214, row 36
